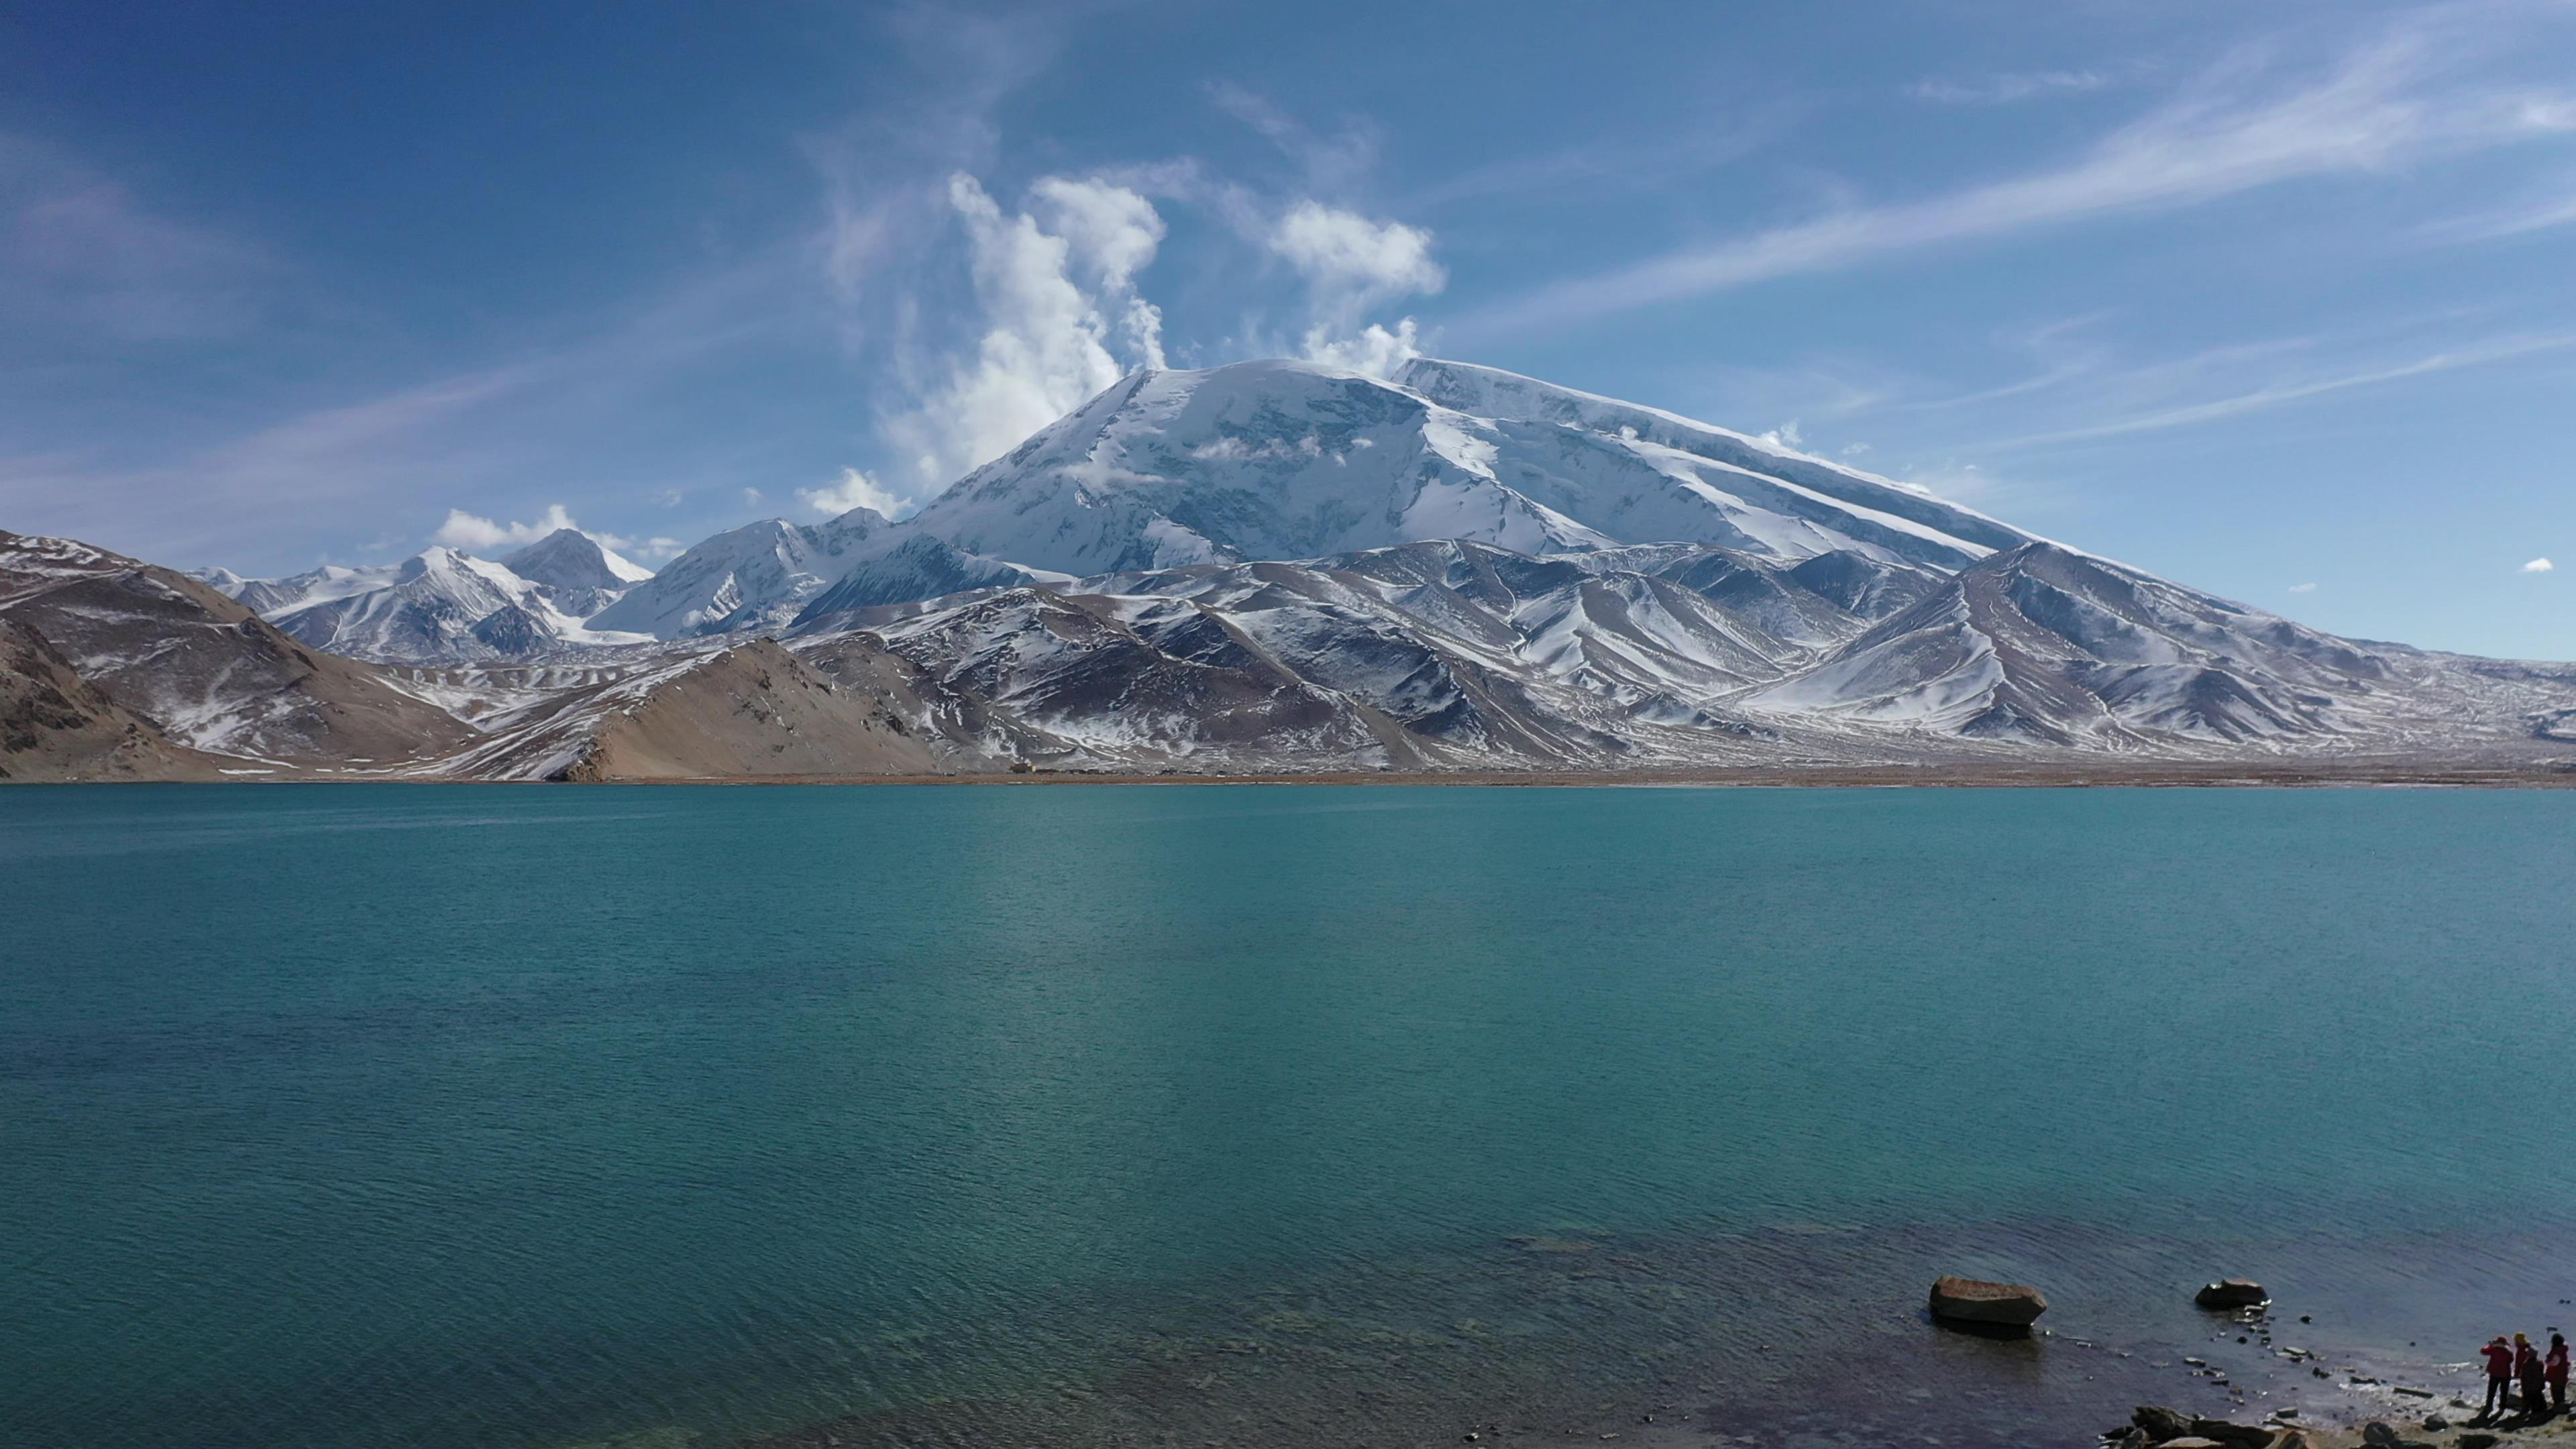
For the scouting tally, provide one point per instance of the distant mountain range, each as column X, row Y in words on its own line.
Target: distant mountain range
column 1268, row 567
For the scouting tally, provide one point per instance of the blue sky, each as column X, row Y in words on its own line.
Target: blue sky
column 2274, row 299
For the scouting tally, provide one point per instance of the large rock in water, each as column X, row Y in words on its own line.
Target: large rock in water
column 2160, row 1424
column 1973, row 1300
column 2232, row 1293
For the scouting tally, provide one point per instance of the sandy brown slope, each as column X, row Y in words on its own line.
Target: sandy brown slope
column 745, row 712
column 206, row 670
column 750, row 712
column 57, row 727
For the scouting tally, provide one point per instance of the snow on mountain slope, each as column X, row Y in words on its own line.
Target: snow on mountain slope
column 1425, row 655
column 758, row 576
column 916, row 568
column 271, row 597
column 208, row 672
column 442, row 606
column 579, row 574
column 1281, row 460
column 1907, row 521
column 57, row 726
column 2052, row 646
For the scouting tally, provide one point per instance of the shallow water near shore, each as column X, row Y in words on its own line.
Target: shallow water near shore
column 1263, row 1115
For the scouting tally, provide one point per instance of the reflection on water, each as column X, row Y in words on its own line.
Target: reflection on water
column 1269, row 1116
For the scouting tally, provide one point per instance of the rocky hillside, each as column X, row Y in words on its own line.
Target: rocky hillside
column 56, row 726
column 209, row 674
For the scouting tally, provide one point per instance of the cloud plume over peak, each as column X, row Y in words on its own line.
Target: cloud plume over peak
column 1047, row 283
column 1352, row 264
column 465, row 530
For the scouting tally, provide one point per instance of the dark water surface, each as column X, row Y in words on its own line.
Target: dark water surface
column 1273, row 1115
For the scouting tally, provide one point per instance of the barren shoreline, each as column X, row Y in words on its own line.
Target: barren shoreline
column 1979, row 775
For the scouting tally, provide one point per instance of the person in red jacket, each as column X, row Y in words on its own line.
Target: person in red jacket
column 2499, row 1376
column 2556, row 1367
column 2526, row 1362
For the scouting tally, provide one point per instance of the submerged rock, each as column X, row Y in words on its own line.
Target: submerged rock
column 1973, row 1300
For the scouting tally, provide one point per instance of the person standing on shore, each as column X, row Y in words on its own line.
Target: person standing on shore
column 2526, row 1362
column 2555, row 1367
column 2499, row 1376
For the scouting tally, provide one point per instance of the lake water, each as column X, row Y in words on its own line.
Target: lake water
column 489, row 1116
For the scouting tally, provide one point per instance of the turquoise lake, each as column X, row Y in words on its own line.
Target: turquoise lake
column 491, row 1116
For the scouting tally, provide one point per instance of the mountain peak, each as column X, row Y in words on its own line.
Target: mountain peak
column 571, row 559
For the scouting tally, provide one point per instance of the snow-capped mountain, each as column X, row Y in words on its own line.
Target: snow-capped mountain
column 272, row 597
column 1275, row 460
column 758, row 576
column 1456, row 655
column 1281, row 566
column 445, row 607
column 579, row 574
column 2054, row 647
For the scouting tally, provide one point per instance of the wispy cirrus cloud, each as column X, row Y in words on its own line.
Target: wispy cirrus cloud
column 1331, row 163
column 2301, row 389
column 2537, row 211
column 85, row 258
column 2004, row 90
column 2236, row 129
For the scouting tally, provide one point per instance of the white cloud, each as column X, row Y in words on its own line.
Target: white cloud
column 1351, row 265
column 2538, row 566
column 1783, row 436
column 854, row 490
column 464, row 530
column 2000, row 90
column 1854, row 450
column 751, row 498
column 1047, row 291
column 656, row 549
column 1113, row 233
column 1375, row 350
column 2303, row 588
column 2379, row 107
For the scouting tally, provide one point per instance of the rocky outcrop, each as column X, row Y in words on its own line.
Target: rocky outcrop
column 2232, row 1293
column 1974, row 1300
